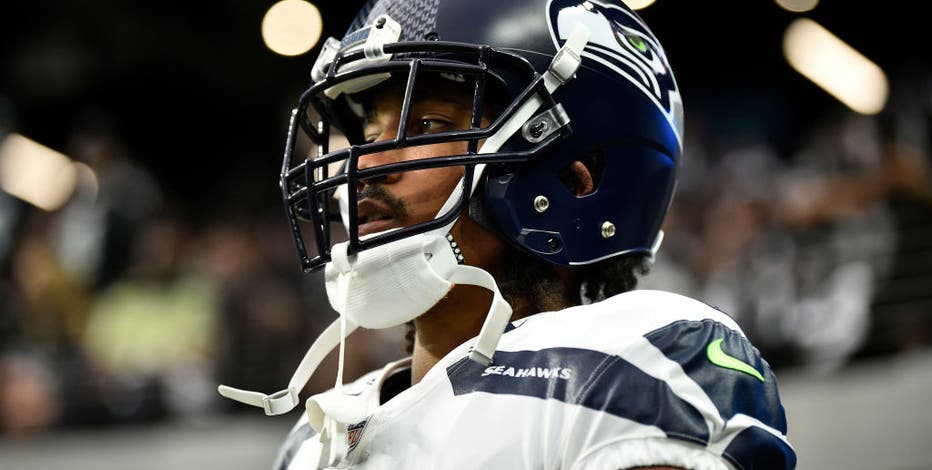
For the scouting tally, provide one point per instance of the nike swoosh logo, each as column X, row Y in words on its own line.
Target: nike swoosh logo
column 721, row 359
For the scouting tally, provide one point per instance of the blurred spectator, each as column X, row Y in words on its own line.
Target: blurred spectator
column 56, row 305
column 795, row 249
column 98, row 225
column 28, row 395
column 262, row 323
column 44, row 315
column 902, row 310
column 835, row 204
column 152, row 332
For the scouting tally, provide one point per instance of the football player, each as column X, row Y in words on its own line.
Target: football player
column 508, row 170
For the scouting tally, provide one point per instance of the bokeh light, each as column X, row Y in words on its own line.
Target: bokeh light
column 291, row 27
column 798, row 6
column 638, row 4
column 835, row 66
column 35, row 173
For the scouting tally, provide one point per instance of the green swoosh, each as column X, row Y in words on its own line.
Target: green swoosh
column 721, row 359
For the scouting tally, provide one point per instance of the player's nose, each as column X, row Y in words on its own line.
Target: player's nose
column 379, row 159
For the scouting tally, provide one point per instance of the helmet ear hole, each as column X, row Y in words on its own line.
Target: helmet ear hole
column 582, row 177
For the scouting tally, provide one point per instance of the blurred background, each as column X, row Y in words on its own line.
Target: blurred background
column 145, row 257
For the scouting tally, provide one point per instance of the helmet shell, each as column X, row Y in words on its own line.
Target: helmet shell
column 626, row 122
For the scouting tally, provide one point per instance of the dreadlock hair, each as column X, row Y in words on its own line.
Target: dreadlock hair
column 540, row 283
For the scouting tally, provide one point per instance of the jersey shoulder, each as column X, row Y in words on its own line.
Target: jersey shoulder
column 611, row 324
column 652, row 357
column 649, row 310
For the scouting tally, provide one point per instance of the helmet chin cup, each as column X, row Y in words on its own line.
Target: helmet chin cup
column 391, row 284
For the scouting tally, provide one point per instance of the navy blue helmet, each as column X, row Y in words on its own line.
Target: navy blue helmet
column 620, row 115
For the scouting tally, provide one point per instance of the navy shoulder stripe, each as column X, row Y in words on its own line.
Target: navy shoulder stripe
column 756, row 449
column 592, row 379
column 722, row 370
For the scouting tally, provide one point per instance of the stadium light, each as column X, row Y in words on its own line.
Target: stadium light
column 835, row 66
column 291, row 27
column 35, row 173
column 638, row 4
column 798, row 6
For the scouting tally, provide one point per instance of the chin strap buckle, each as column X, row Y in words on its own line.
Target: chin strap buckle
column 568, row 59
column 277, row 403
column 286, row 400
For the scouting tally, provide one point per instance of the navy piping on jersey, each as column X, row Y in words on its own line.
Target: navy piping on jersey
column 756, row 449
column 591, row 379
column 292, row 444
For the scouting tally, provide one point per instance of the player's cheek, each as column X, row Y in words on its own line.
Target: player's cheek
column 436, row 185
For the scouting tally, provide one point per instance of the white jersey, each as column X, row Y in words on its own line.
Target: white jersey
column 643, row 378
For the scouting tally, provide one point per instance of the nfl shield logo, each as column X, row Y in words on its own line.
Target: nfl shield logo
column 354, row 432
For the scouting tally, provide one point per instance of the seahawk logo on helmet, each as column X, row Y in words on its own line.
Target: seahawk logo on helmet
column 621, row 42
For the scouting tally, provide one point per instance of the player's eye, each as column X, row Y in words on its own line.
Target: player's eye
column 432, row 125
column 371, row 133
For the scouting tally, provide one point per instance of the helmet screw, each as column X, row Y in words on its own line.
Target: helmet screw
column 380, row 23
column 553, row 244
column 537, row 129
column 541, row 204
column 608, row 229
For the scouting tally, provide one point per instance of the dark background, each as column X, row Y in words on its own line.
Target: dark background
column 199, row 100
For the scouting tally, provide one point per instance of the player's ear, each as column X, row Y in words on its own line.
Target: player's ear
column 578, row 178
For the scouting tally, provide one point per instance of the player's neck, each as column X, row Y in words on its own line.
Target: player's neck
column 455, row 319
